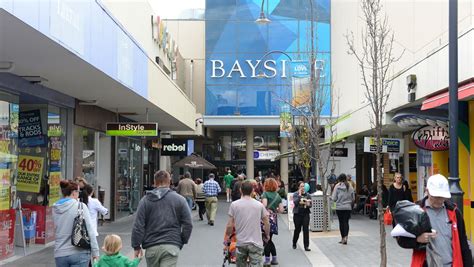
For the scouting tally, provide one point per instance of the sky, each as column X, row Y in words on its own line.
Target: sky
column 172, row 8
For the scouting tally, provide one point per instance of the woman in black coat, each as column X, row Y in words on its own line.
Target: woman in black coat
column 302, row 201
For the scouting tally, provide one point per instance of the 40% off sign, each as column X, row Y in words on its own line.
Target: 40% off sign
column 30, row 170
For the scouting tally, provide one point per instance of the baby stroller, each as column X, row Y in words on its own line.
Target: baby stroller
column 229, row 249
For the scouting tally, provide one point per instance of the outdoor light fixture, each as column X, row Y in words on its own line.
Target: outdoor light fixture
column 262, row 19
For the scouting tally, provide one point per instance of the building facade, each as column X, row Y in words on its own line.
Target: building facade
column 66, row 69
column 416, row 113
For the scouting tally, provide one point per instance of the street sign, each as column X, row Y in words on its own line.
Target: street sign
column 132, row 129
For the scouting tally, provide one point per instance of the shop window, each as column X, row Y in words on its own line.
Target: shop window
column 129, row 173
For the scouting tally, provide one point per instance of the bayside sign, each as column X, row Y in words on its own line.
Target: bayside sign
column 431, row 138
column 269, row 68
column 132, row 129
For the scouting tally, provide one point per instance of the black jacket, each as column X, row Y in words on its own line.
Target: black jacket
column 406, row 242
column 298, row 210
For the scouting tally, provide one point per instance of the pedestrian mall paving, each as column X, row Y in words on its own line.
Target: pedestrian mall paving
column 205, row 247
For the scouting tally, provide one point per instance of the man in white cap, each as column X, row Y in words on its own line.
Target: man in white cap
column 449, row 238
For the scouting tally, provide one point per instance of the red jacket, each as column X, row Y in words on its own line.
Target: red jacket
column 461, row 252
column 419, row 256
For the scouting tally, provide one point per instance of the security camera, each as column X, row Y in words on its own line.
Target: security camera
column 411, row 82
column 411, row 87
column 199, row 120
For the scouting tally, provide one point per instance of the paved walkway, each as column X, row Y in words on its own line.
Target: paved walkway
column 205, row 246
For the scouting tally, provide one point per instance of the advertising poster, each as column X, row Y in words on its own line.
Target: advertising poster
column 30, row 131
column 285, row 121
column 30, row 172
column 291, row 206
column 5, row 189
column 54, row 189
column 7, row 232
column 44, row 223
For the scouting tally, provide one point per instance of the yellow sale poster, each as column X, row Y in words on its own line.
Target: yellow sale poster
column 5, row 189
column 4, row 197
column 30, row 172
column 54, row 188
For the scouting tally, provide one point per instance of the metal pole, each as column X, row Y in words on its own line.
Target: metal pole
column 454, row 187
column 312, row 101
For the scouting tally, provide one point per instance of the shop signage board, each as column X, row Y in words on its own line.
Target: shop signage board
column 432, row 138
column 389, row 145
column 132, row 129
column 30, row 172
column 265, row 154
column 339, row 152
column 174, row 147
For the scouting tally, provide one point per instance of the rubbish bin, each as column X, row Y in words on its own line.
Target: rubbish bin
column 316, row 217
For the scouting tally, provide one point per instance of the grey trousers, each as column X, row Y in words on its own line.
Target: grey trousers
column 162, row 255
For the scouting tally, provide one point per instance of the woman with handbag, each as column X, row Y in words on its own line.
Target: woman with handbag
column 73, row 248
column 343, row 196
column 301, row 210
column 272, row 201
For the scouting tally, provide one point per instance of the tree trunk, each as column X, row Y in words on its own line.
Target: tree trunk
column 383, row 250
column 325, row 201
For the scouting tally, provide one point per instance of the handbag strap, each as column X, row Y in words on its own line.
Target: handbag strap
column 80, row 209
column 273, row 201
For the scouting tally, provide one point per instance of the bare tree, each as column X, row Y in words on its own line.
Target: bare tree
column 306, row 128
column 376, row 59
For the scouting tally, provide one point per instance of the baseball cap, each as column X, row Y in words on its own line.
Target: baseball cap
column 438, row 186
column 211, row 176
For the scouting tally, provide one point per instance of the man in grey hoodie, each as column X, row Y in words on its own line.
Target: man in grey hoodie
column 163, row 224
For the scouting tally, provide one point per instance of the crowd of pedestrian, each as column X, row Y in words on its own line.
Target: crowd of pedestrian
column 163, row 223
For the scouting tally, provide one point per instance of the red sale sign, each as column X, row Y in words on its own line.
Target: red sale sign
column 44, row 223
column 7, row 231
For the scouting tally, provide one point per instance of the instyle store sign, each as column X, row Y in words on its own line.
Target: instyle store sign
column 432, row 138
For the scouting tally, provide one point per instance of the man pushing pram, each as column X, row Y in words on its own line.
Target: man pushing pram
column 245, row 216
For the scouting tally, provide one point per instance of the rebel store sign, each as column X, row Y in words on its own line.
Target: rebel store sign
column 432, row 138
column 174, row 147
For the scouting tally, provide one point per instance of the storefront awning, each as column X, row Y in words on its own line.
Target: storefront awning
column 464, row 91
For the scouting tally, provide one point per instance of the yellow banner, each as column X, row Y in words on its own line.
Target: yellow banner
column 54, row 188
column 4, row 197
column 5, row 189
column 30, row 172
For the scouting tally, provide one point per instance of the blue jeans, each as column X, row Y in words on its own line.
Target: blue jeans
column 190, row 203
column 76, row 260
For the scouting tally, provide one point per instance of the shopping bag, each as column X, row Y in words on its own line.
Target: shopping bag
column 411, row 217
column 387, row 217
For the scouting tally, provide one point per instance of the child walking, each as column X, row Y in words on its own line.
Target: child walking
column 112, row 257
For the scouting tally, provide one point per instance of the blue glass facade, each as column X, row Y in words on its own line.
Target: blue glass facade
column 235, row 44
